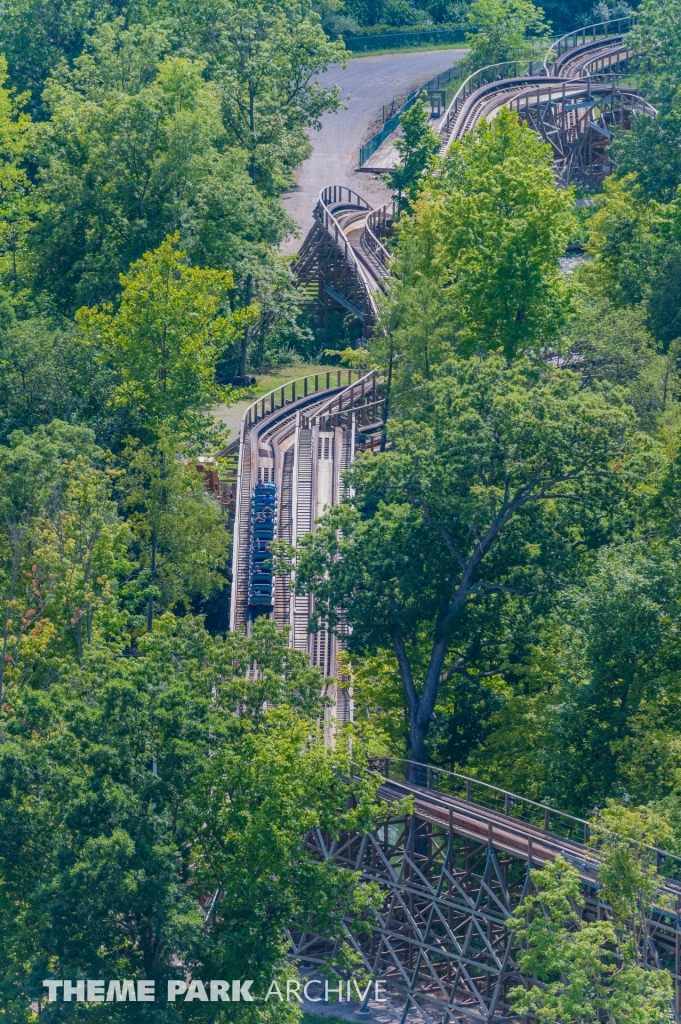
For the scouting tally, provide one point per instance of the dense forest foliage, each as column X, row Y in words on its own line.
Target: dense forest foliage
column 348, row 17
column 142, row 782
column 508, row 564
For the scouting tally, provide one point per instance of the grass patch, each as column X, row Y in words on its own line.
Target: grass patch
column 283, row 376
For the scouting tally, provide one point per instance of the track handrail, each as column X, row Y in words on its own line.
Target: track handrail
column 336, row 405
column 267, row 404
column 377, row 216
column 507, row 70
column 560, row 46
column 466, row 89
column 332, row 195
column 431, row 772
column 594, row 86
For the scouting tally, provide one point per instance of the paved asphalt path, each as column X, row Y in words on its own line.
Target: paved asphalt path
column 369, row 82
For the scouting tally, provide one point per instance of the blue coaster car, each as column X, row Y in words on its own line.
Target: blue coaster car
column 263, row 525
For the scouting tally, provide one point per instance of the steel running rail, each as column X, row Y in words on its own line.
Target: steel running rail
column 281, row 402
column 376, row 228
column 512, row 76
column 503, row 72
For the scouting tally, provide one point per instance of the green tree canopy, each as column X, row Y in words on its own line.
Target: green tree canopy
column 487, row 500
column 637, row 248
column 163, row 341
column 133, row 151
column 478, row 262
column 651, row 147
column 417, row 146
column 585, row 968
column 153, row 820
column 51, row 372
column 267, row 59
column 504, row 30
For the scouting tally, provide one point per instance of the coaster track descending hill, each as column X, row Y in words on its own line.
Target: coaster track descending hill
column 293, row 438
column 452, row 871
column 293, row 447
column 573, row 99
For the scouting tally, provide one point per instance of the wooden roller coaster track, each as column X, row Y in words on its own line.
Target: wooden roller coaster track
column 573, row 98
column 452, row 872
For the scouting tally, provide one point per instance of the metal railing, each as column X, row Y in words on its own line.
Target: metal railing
column 376, row 229
column 552, row 822
column 528, row 68
column 389, row 126
column 395, row 40
column 294, row 391
column 588, row 34
column 594, row 88
column 484, row 76
column 341, row 195
column 346, row 401
column 608, row 63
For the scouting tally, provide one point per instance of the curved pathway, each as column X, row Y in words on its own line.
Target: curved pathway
column 367, row 83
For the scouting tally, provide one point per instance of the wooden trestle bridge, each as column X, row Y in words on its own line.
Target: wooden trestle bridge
column 573, row 99
column 452, row 871
column 451, row 874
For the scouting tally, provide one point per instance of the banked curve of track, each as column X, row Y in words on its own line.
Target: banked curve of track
column 578, row 76
column 285, row 440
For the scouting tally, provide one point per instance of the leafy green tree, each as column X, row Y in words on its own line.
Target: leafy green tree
column 37, row 35
column 16, row 205
column 46, row 527
column 478, row 262
column 153, row 820
column 612, row 344
column 163, row 343
column 651, row 148
column 504, row 30
column 181, row 539
column 637, row 248
column 487, row 499
column 417, row 147
column 595, row 714
column 266, row 58
column 50, row 372
column 133, row 151
column 655, row 38
column 585, row 968
column 164, row 339
column 81, row 551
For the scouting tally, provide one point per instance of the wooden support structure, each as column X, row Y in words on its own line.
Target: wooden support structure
column 451, row 874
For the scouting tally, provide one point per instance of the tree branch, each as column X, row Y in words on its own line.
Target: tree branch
column 405, row 672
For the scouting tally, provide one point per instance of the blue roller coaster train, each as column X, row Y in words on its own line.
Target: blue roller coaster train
column 263, row 526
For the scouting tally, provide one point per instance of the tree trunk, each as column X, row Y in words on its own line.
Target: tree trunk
column 417, row 749
column 251, row 125
column 420, row 708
